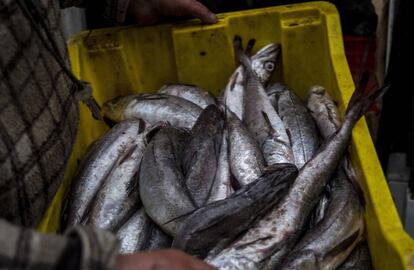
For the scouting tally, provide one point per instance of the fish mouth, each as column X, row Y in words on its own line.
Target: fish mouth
column 317, row 90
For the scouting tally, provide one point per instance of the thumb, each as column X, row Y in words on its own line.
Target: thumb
column 198, row 10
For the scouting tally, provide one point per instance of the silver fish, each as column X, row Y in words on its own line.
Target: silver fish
column 299, row 124
column 323, row 110
column 97, row 164
column 222, row 187
column 202, row 153
column 140, row 233
column 326, row 115
column 246, row 159
column 218, row 224
column 360, row 259
column 261, row 118
column 329, row 242
column 135, row 233
column 189, row 92
column 118, row 198
column 277, row 233
column 163, row 191
column 153, row 108
column 263, row 63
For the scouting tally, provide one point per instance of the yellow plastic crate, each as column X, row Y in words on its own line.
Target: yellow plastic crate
column 125, row 60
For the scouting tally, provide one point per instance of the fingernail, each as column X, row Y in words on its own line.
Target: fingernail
column 213, row 18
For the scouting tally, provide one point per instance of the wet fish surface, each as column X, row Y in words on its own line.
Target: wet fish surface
column 189, row 92
column 299, row 124
column 277, row 233
column 331, row 240
column 202, row 153
column 322, row 108
column 222, row 187
column 246, row 159
column 261, row 118
column 118, row 198
column 217, row 224
column 98, row 163
column 264, row 64
column 140, row 233
column 153, row 108
column 163, row 191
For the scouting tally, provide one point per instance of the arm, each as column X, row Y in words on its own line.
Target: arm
column 145, row 11
column 81, row 248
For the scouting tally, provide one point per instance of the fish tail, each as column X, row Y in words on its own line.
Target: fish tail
column 362, row 99
column 242, row 55
column 249, row 47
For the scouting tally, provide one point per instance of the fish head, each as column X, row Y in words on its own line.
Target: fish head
column 114, row 109
column 264, row 62
column 317, row 97
column 317, row 90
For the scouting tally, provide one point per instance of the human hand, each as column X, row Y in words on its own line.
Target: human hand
column 160, row 260
column 147, row 12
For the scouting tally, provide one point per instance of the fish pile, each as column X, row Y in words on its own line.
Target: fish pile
column 254, row 179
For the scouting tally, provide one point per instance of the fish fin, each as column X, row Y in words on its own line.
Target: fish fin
column 241, row 55
column 235, row 184
column 233, row 81
column 153, row 96
column 154, row 130
column 249, row 47
column 133, row 185
column 269, row 125
column 351, row 177
column 127, row 154
column 109, row 122
column 361, row 101
column 141, row 125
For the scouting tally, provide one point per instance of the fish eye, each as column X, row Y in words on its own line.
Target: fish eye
column 269, row 66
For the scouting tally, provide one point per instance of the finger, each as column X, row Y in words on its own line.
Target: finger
column 198, row 10
column 201, row 265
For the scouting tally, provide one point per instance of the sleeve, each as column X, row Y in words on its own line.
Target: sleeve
column 80, row 248
column 113, row 10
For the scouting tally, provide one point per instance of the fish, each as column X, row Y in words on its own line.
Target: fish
column 163, row 191
column 222, row 187
column 152, row 108
column 323, row 110
column 298, row 122
column 202, row 152
column 266, row 244
column 263, row 63
column 261, row 118
column 360, row 259
column 191, row 93
column 332, row 239
column 217, row 224
column 140, row 233
column 101, row 158
column 119, row 197
column 134, row 234
column 325, row 113
column 246, row 158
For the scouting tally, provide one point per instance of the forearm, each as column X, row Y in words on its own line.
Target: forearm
column 113, row 10
column 81, row 248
